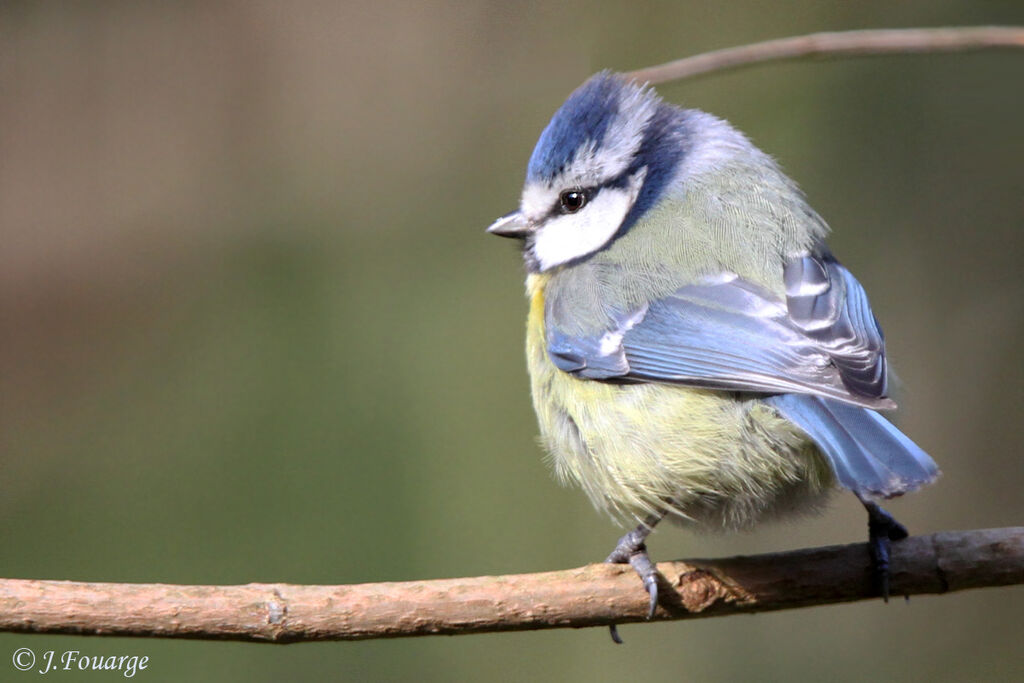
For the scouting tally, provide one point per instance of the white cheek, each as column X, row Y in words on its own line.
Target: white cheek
column 571, row 236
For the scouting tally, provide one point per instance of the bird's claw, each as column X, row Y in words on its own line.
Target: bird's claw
column 882, row 530
column 642, row 565
column 632, row 550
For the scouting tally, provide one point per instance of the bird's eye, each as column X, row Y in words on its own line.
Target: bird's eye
column 572, row 200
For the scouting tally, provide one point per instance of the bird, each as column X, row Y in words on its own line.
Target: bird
column 695, row 351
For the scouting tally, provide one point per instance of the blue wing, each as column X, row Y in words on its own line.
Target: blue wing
column 820, row 355
column 730, row 334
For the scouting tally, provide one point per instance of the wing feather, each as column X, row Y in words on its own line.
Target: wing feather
column 730, row 334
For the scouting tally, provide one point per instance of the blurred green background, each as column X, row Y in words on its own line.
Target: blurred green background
column 252, row 329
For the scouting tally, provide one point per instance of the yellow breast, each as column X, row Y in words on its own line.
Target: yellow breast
column 709, row 457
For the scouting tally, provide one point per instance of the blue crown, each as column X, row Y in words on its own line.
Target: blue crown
column 584, row 117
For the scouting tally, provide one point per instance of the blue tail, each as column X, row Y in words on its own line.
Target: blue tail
column 868, row 454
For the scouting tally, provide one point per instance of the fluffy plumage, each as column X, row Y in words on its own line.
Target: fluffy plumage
column 693, row 347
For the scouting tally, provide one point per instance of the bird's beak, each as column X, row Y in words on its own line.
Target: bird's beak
column 511, row 225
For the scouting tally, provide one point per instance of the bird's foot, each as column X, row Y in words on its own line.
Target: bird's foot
column 632, row 550
column 882, row 530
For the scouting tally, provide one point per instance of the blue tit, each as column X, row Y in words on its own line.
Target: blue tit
column 694, row 349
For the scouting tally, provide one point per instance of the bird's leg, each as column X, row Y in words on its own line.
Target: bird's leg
column 882, row 529
column 632, row 550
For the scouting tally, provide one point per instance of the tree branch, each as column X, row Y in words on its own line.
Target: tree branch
column 843, row 43
column 594, row 595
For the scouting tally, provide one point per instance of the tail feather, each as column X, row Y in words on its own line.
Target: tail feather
column 868, row 454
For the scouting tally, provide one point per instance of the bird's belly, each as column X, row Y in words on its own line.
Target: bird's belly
column 714, row 459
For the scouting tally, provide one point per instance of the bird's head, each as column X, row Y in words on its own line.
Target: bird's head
column 605, row 158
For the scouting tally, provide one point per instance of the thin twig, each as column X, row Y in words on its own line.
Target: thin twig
column 594, row 595
column 843, row 43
